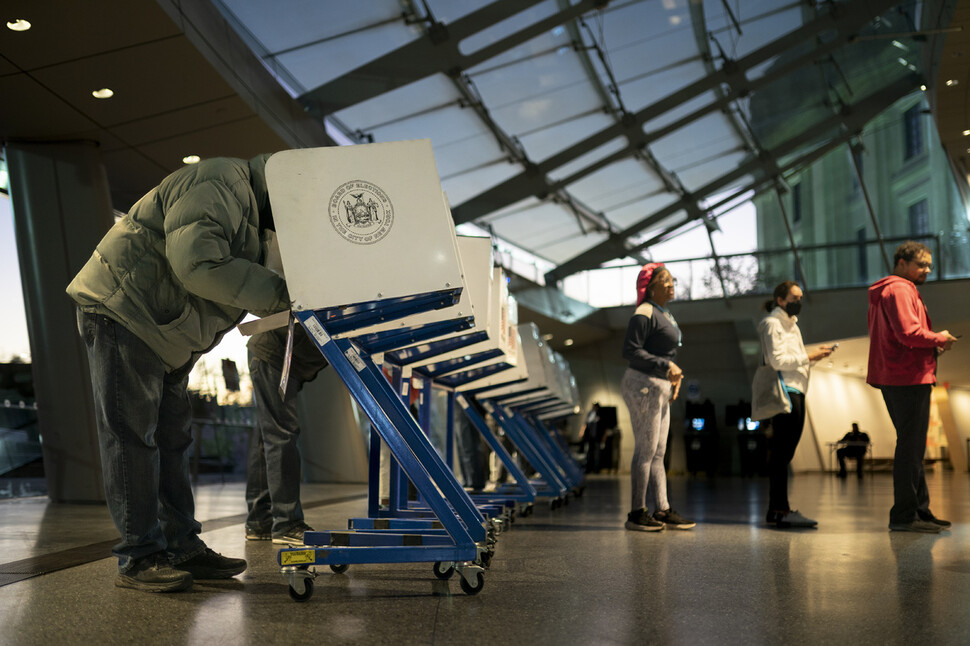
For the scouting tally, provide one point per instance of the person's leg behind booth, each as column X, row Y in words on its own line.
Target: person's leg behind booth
column 279, row 428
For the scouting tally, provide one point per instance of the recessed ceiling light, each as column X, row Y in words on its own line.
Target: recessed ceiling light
column 966, row 133
column 952, row 82
column 103, row 93
column 567, row 342
column 191, row 159
column 923, row 88
column 18, row 25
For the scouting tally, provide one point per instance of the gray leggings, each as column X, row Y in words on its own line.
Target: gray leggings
column 648, row 399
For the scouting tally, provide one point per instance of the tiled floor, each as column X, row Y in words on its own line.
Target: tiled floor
column 570, row 576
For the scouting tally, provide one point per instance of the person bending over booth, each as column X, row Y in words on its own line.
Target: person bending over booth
column 161, row 288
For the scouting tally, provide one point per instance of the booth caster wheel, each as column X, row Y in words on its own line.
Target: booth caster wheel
column 339, row 568
column 475, row 586
column 443, row 571
column 307, row 591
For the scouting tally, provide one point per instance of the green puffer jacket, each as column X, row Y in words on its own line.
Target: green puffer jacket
column 183, row 266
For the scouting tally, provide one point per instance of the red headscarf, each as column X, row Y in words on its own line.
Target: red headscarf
column 646, row 273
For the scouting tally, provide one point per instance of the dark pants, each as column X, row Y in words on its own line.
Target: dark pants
column 144, row 429
column 786, row 432
column 909, row 409
column 472, row 454
column 857, row 453
column 273, row 466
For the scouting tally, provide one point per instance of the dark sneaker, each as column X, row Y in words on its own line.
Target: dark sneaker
column 258, row 534
column 210, row 565
column 922, row 526
column 672, row 519
column 930, row 518
column 292, row 536
column 794, row 519
column 152, row 574
column 641, row 521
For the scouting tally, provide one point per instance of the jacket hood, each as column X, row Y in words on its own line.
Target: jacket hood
column 877, row 288
column 257, row 175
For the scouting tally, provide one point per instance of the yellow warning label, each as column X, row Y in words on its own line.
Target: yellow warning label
column 297, row 557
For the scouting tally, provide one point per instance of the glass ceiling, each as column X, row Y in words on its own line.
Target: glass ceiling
column 583, row 130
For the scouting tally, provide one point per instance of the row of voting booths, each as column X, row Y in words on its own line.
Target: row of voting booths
column 394, row 299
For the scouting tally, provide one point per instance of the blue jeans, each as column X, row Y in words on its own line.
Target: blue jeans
column 273, row 465
column 144, row 430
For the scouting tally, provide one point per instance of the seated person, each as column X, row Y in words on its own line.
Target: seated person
column 856, row 442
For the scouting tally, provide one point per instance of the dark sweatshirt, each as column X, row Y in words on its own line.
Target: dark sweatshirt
column 652, row 339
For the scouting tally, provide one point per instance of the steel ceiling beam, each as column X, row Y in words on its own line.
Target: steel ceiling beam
column 438, row 52
column 852, row 119
column 844, row 20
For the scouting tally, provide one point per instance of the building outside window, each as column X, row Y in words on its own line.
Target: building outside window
column 913, row 131
column 919, row 219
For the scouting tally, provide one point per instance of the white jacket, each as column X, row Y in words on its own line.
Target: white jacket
column 781, row 343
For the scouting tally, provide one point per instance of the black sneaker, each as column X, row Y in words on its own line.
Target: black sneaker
column 930, row 518
column 258, row 534
column 153, row 574
column 641, row 521
column 793, row 518
column 292, row 536
column 210, row 565
column 918, row 525
column 672, row 519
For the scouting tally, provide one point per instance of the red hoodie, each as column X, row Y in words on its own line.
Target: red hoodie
column 902, row 345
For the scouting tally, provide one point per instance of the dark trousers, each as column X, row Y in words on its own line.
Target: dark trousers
column 273, row 464
column 857, row 453
column 909, row 409
column 786, row 432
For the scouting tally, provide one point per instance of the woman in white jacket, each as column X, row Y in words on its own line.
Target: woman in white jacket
column 781, row 342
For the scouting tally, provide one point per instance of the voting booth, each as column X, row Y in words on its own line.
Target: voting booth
column 371, row 262
column 386, row 290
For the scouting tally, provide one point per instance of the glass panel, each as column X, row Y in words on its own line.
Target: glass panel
column 511, row 25
column 583, row 161
column 543, row 143
column 315, row 32
column 761, row 22
column 616, row 183
column 406, row 101
column 636, row 210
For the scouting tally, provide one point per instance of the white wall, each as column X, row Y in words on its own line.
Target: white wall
column 960, row 406
column 834, row 401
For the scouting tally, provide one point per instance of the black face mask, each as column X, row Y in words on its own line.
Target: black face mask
column 793, row 308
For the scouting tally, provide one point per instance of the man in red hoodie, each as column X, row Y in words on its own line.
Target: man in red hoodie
column 902, row 363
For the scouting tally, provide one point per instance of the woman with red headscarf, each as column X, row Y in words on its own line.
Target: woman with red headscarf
column 649, row 384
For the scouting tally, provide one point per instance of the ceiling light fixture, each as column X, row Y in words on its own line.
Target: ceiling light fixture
column 191, row 159
column 952, row 82
column 966, row 133
column 18, row 25
column 567, row 342
column 922, row 88
column 103, row 93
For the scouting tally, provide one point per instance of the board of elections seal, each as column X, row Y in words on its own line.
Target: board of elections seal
column 361, row 212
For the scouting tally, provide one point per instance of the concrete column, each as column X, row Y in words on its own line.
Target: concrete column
column 62, row 208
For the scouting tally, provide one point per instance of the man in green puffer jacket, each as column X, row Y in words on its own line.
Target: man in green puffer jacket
column 162, row 287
